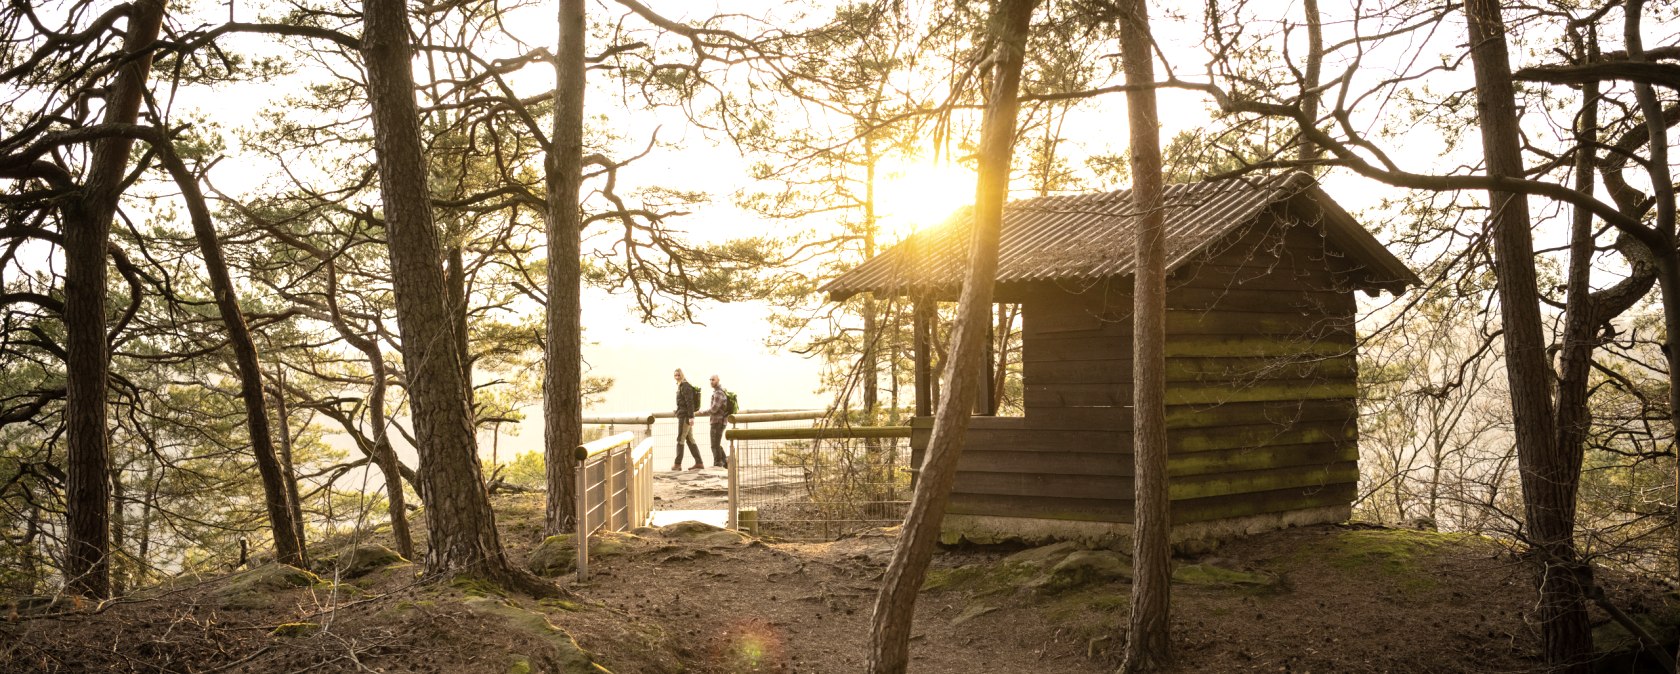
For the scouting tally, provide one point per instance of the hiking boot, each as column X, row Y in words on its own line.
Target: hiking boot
column 676, row 467
column 697, row 466
column 721, row 464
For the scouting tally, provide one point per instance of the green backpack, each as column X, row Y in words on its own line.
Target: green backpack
column 733, row 405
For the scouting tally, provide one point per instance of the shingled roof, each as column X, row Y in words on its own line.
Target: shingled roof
column 1090, row 236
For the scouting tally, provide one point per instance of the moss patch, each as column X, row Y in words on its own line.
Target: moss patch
column 474, row 586
column 564, row 656
column 978, row 579
column 1218, row 576
column 1397, row 554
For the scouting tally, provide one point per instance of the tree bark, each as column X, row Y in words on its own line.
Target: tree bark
column 895, row 605
column 458, row 515
column 1549, row 477
column 288, row 545
column 455, row 277
column 868, row 365
column 1149, row 644
column 87, row 232
column 1662, row 188
column 1310, row 96
column 563, row 356
column 288, row 468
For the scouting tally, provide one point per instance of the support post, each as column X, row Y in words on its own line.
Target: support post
column 984, row 403
column 582, row 518
column 734, row 492
column 921, row 326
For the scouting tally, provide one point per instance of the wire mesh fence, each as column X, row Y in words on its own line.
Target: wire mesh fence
column 819, row 483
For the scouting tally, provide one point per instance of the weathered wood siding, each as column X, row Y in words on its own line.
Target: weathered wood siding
column 1261, row 386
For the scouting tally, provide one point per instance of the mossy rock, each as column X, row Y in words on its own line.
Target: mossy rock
column 557, row 555
column 1218, row 576
column 688, row 530
column 564, row 656
column 723, row 538
column 359, row 561
column 1044, row 555
column 301, row 629
column 1082, row 568
column 980, row 580
column 253, row 588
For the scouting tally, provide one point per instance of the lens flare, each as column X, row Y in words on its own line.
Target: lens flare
column 753, row 646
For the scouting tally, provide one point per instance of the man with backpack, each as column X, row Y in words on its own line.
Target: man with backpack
column 688, row 402
column 723, row 405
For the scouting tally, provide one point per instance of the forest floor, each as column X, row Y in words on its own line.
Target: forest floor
column 692, row 598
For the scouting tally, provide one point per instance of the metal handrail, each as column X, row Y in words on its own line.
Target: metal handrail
column 642, row 418
column 833, row 432
column 761, row 417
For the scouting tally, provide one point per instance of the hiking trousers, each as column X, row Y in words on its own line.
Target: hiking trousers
column 718, row 457
column 685, row 432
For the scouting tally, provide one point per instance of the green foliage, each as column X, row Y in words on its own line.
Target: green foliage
column 526, row 470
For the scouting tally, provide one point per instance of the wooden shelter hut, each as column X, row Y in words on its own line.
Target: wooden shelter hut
column 1261, row 359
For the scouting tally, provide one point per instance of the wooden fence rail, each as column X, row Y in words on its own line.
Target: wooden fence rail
column 614, row 489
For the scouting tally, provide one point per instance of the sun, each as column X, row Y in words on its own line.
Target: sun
column 913, row 195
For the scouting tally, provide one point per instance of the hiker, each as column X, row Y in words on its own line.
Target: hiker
column 719, row 413
column 688, row 402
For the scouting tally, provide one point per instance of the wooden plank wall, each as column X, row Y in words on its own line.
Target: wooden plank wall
column 1261, row 385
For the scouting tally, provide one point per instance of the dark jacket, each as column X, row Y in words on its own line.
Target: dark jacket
column 686, row 401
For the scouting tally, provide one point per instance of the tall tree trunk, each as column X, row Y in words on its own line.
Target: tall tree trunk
column 455, row 278
column 458, row 515
column 87, row 233
column 119, row 522
column 1549, row 477
column 1005, row 327
column 1662, row 188
column 288, row 468
column 390, row 466
column 563, row 356
column 1310, row 96
column 895, row 605
column 868, row 361
column 1149, row 645
column 288, row 545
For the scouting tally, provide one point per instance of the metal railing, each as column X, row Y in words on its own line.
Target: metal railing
column 614, row 489
column 642, row 422
column 818, row 483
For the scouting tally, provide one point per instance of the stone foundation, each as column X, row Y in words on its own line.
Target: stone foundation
column 1189, row 537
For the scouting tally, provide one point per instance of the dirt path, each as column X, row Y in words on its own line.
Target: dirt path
column 691, row 489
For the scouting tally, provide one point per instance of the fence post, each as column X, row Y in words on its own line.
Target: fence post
column 582, row 517
column 614, row 478
column 734, row 464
